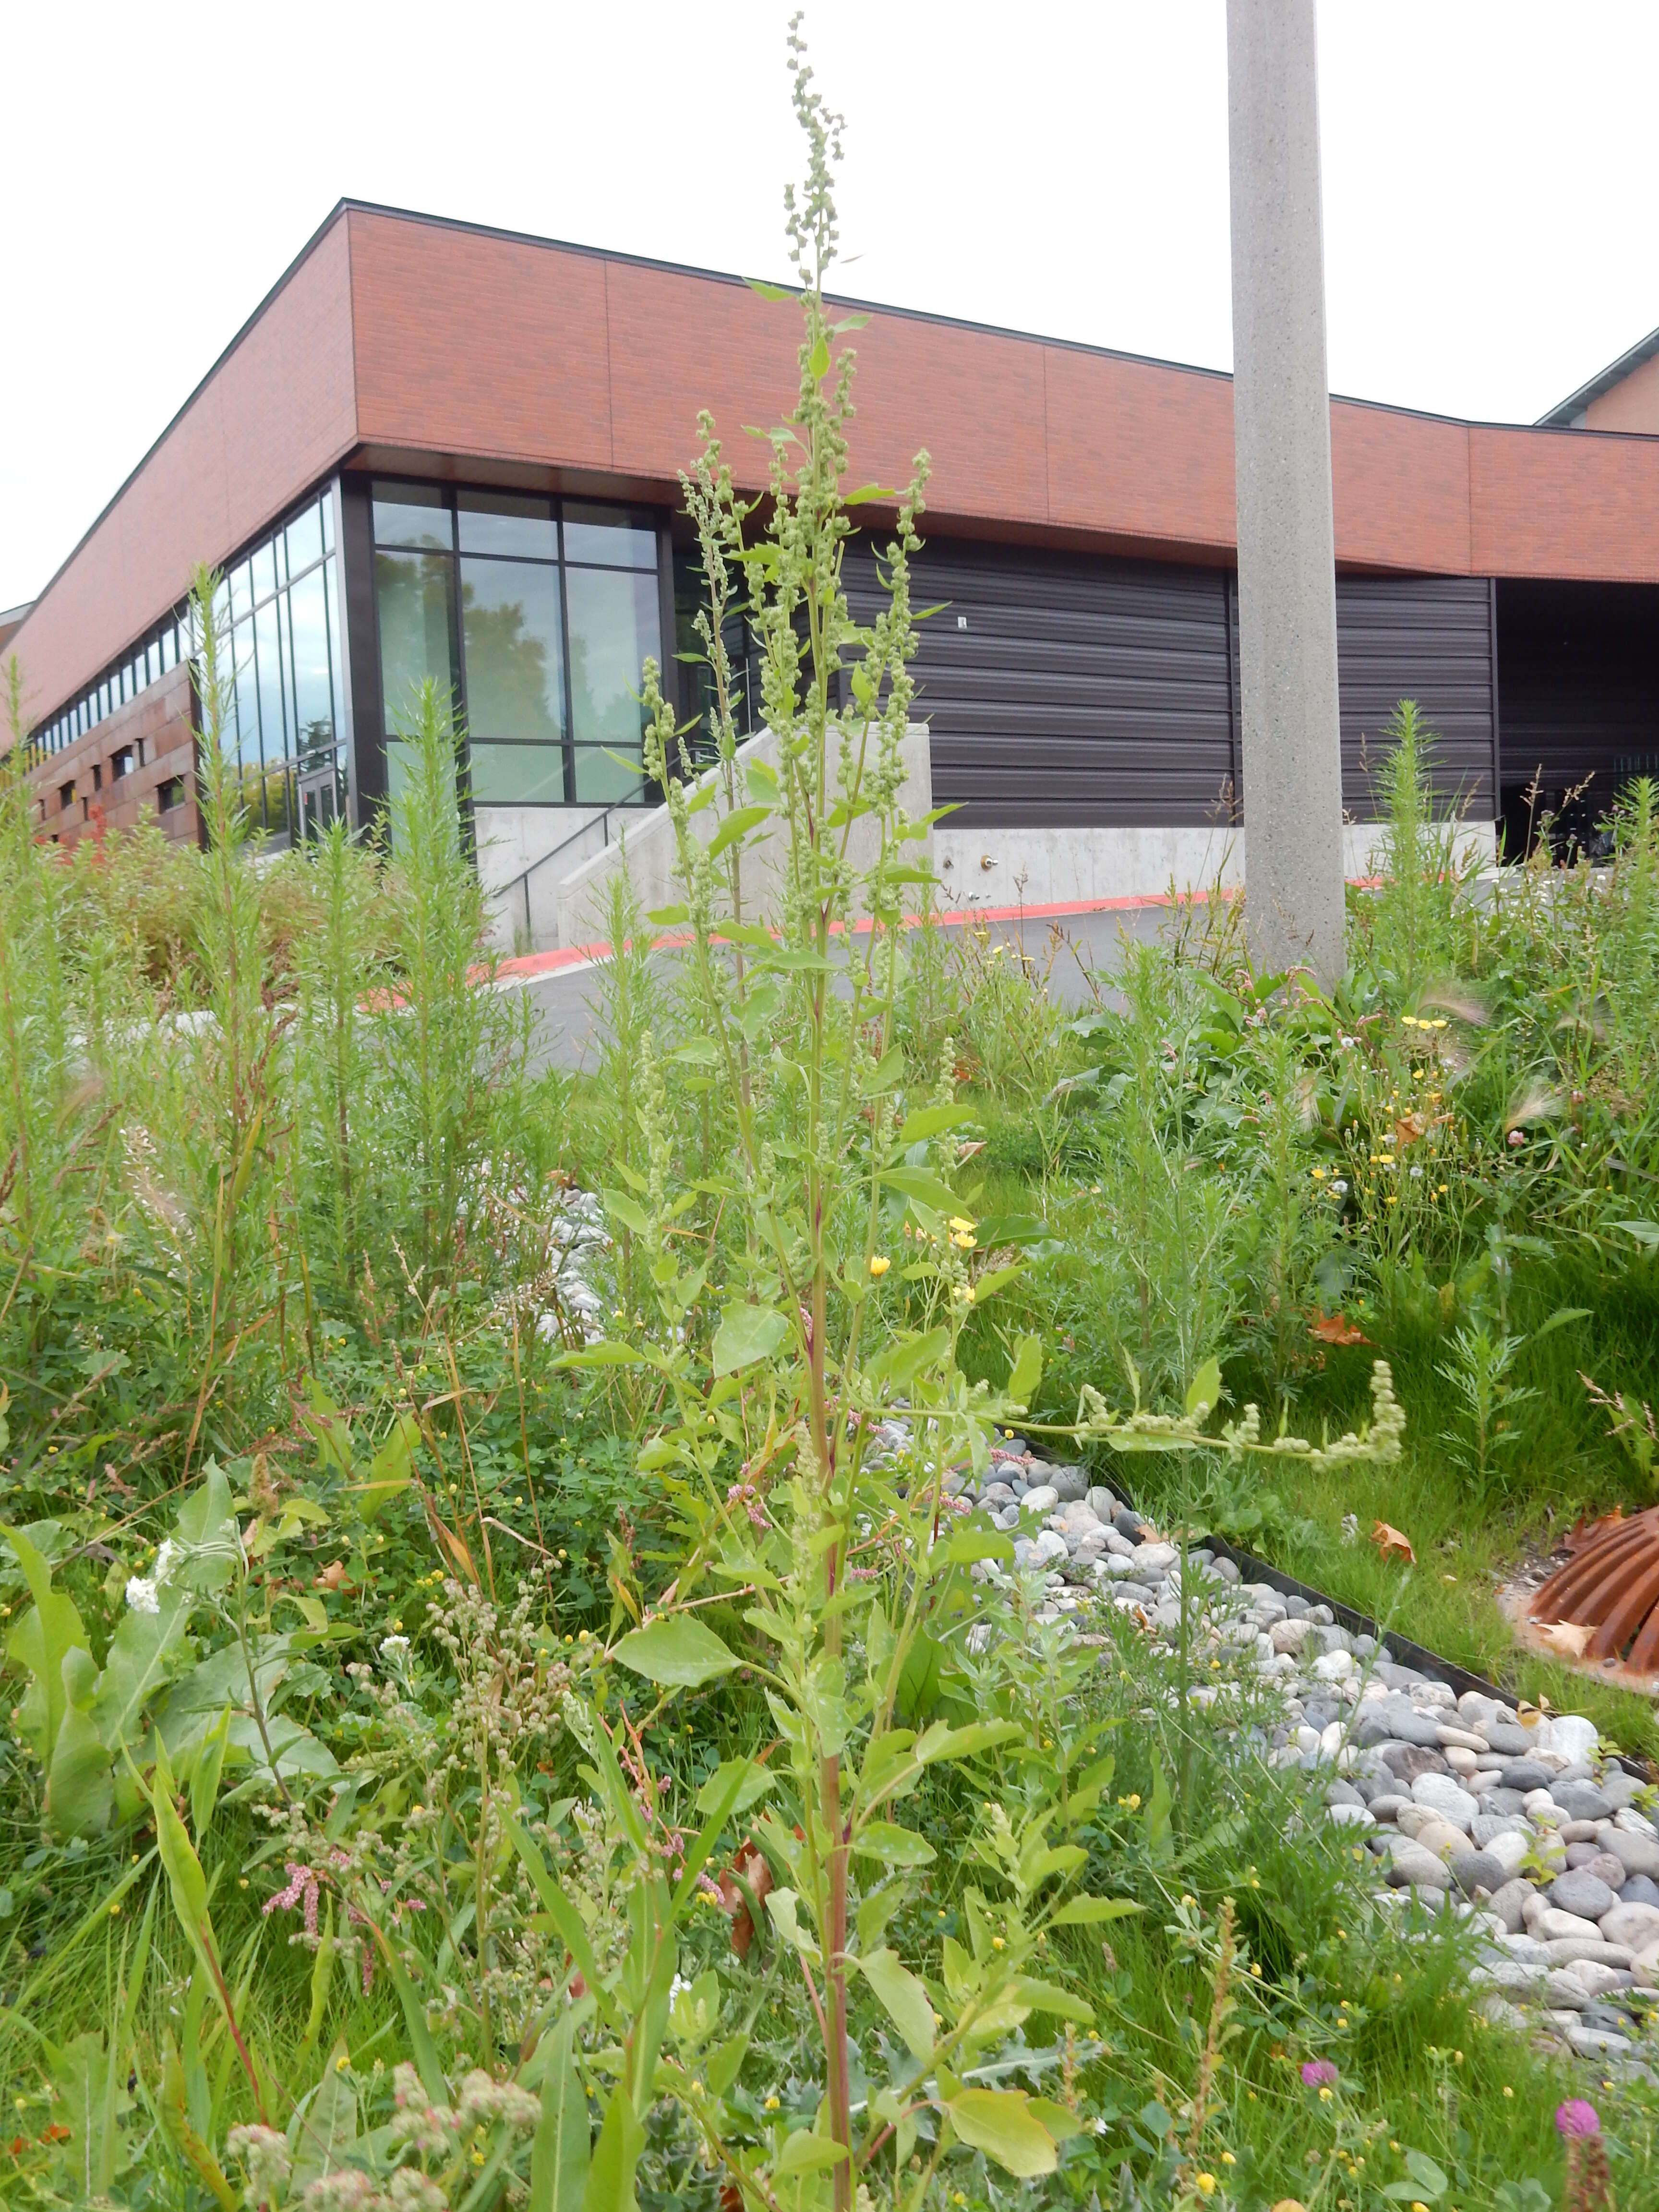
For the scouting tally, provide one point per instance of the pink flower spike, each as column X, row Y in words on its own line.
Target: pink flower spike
column 1319, row 2074
column 1576, row 2118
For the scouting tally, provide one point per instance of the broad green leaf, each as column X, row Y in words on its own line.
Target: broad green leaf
column 925, row 1189
column 1426, row 2175
column 628, row 1210
column 895, row 1846
column 806, row 2153
column 41, row 1641
column 904, row 1360
column 79, row 1789
column 1061, row 2123
column 903, row 1997
column 996, row 1279
column 610, row 2184
column 330, row 1432
column 1001, row 2124
column 1093, row 1911
column 207, row 1529
column 602, row 1354
column 781, row 1910
column 754, row 1784
column 1027, row 1371
column 737, row 824
column 677, row 1651
column 392, row 1468
column 204, row 1781
column 747, row 1333
column 1050, row 1998
column 561, row 2153
column 1204, row 1391
column 1559, row 1319
column 769, row 291
column 140, row 1654
column 943, row 1742
column 667, row 917
column 329, row 2130
column 969, row 1544
column 932, row 1121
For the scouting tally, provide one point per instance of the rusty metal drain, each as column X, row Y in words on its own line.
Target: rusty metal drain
column 1611, row 1586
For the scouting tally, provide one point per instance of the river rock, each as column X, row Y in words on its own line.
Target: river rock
column 1581, row 1801
column 1042, row 1497
column 1555, row 1924
column 1069, row 1484
column 1564, row 1991
column 1412, row 1865
column 1573, row 1735
column 1408, row 1762
column 1504, row 1736
column 1506, row 1903
column 1156, row 1558
column 1446, row 1797
column 1640, row 1889
column 1473, row 1870
column 1526, row 1775
column 1618, row 1788
column 1580, row 1891
column 1102, row 1503
column 1637, row 1925
column 1636, row 1854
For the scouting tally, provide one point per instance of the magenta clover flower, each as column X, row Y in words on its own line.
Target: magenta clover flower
column 1319, row 2074
column 1576, row 2118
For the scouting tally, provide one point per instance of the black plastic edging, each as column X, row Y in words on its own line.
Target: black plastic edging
column 1402, row 1650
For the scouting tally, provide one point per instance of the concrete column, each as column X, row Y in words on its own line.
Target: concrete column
column 1292, row 762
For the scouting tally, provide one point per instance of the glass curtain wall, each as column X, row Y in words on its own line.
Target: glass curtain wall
column 278, row 612
column 278, row 606
column 536, row 618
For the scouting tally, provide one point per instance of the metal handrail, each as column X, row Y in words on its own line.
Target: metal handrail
column 521, row 881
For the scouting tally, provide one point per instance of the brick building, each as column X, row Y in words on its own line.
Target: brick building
column 440, row 450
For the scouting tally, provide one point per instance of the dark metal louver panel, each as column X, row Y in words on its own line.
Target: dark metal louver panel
column 1427, row 638
column 1080, row 691
column 1070, row 689
column 1578, row 686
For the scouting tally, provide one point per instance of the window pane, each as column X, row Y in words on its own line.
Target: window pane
column 517, row 776
column 152, row 661
column 305, row 540
column 613, row 626
column 611, row 536
column 262, row 564
column 313, row 708
column 325, row 508
column 504, row 522
column 601, row 780
column 514, row 662
column 268, row 659
column 330, row 577
column 412, row 515
column 417, row 635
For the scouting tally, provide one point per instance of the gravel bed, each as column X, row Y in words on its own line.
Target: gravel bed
column 1515, row 1822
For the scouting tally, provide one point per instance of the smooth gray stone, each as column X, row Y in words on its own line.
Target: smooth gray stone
column 1564, row 1993
column 1128, row 1523
column 1583, row 1894
column 1636, row 1854
column 1503, row 1800
column 1618, row 1788
column 1473, row 1870
column 1507, row 1736
column 1364, row 1647
column 1526, row 1774
column 1396, row 1677
column 1640, row 1889
column 1343, row 1793
column 1581, row 1801
column 1408, row 1760
column 1485, row 1826
column 1507, row 1901
column 1297, row 1607
column 1104, row 1505
column 1072, row 1483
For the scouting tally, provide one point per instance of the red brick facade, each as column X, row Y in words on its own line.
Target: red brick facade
column 399, row 342
column 142, row 759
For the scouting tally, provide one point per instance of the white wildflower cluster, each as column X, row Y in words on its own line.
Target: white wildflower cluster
column 144, row 1591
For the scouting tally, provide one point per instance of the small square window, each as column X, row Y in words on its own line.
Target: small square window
column 121, row 763
column 170, row 793
column 66, row 795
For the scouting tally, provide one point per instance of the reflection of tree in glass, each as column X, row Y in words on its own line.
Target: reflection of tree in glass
column 508, row 680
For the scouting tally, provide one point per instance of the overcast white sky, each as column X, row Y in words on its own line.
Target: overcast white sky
column 1054, row 166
